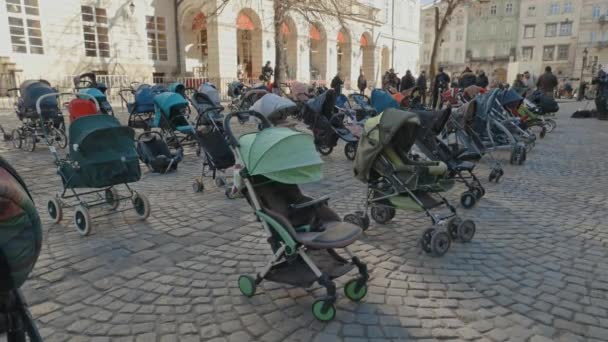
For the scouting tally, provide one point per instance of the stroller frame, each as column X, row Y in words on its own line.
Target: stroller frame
column 82, row 217
column 289, row 249
column 16, row 320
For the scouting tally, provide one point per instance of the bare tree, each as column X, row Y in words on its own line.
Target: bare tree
column 311, row 10
column 443, row 14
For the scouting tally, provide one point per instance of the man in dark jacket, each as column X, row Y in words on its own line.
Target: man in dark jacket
column 421, row 84
column 547, row 82
column 267, row 72
column 336, row 84
column 442, row 82
column 601, row 100
column 361, row 82
column 482, row 80
column 467, row 79
column 408, row 81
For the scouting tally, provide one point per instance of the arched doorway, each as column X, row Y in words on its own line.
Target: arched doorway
column 344, row 53
column 290, row 48
column 249, row 44
column 367, row 49
column 318, row 53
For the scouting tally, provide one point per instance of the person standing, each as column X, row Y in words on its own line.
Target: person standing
column 601, row 100
column 421, row 84
column 442, row 83
column 519, row 86
column 336, row 83
column 361, row 82
column 529, row 82
column 267, row 72
column 547, row 82
column 482, row 80
column 408, row 81
column 467, row 79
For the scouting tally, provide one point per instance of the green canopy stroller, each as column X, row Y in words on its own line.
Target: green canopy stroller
column 396, row 181
column 303, row 232
column 171, row 112
column 101, row 155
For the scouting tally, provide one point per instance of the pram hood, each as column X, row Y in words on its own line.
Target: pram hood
column 211, row 91
column 379, row 132
column 178, row 88
column 432, row 122
column 32, row 90
column 165, row 103
column 484, row 104
column 235, row 89
column 323, row 104
column 298, row 91
column 510, row 98
column 273, row 106
column 89, row 134
column 94, row 92
column 144, row 98
column 281, row 154
column 382, row 100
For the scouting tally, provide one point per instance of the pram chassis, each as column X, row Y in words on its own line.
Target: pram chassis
column 82, row 217
column 15, row 319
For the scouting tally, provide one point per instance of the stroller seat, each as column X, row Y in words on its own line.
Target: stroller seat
column 462, row 166
column 184, row 129
column 431, row 167
column 333, row 235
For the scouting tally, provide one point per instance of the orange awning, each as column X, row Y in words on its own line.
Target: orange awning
column 363, row 41
column 243, row 22
column 341, row 37
column 314, row 33
column 284, row 29
column 199, row 22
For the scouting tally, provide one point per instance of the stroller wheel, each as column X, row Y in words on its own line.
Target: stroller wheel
column 425, row 241
column 54, row 209
column 141, row 206
column 323, row 310
column 466, row 230
column 468, row 200
column 440, row 243
column 16, row 138
column 543, row 132
column 452, row 227
column 521, row 155
column 358, row 218
column 247, row 285
column 382, row 214
column 355, row 289
column 198, row 151
column 112, row 198
column 324, row 150
column 82, row 219
column 220, row 182
column 198, row 186
column 29, row 141
column 350, row 150
column 478, row 191
column 60, row 138
column 551, row 124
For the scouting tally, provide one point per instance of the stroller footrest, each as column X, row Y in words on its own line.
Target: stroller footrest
column 297, row 272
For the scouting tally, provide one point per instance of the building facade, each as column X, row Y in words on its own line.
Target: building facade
column 146, row 40
column 592, row 48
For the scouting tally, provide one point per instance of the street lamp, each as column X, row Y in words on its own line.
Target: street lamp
column 132, row 8
column 581, row 85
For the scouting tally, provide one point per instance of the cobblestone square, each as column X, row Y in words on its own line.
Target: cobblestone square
column 536, row 270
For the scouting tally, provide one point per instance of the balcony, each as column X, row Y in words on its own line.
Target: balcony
column 365, row 12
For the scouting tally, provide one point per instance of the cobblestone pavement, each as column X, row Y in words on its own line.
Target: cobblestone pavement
column 536, row 270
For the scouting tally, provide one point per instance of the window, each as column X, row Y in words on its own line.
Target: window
column 550, row 30
column 563, row 52
column 568, row 7
column 24, row 26
column 565, row 29
column 459, row 20
column 509, row 8
column 459, row 36
column 157, row 38
column 596, row 11
column 531, row 11
column 548, row 52
column 527, row 53
column 458, row 54
column 95, row 28
column 493, row 10
column 529, row 31
column 553, row 8
column 593, row 36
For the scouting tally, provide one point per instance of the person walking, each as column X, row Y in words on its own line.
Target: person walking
column 267, row 73
column 547, row 82
column 336, row 83
column 482, row 80
column 442, row 83
column 519, row 85
column 361, row 82
column 408, row 81
column 421, row 84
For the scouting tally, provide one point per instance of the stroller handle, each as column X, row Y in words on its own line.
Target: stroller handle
column 39, row 110
column 243, row 115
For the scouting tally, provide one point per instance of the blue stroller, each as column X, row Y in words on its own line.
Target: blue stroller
column 87, row 84
column 141, row 110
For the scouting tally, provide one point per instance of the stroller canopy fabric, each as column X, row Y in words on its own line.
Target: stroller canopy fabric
column 382, row 100
column 281, row 154
column 509, row 98
column 94, row 92
column 211, row 91
column 379, row 132
column 300, row 91
column 177, row 88
column 432, row 122
column 323, row 104
column 32, row 90
column 484, row 104
column 273, row 106
column 164, row 104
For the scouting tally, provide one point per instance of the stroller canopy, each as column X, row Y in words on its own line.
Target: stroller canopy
column 274, row 107
column 211, row 91
column 94, row 92
column 32, row 90
column 484, row 104
column 510, row 98
column 393, row 125
column 432, row 122
column 281, row 154
column 323, row 104
column 178, row 88
column 235, row 89
column 382, row 100
column 167, row 104
column 300, row 91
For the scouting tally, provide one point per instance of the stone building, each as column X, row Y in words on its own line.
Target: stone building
column 592, row 38
column 148, row 40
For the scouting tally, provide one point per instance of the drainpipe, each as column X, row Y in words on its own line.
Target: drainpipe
column 178, row 53
column 393, row 34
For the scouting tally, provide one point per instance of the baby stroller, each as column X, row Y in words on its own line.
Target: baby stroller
column 303, row 232
column 396, row 181
column 206, row 101
column 275, row 108
column 101, row 156
column 34, row 126
column 87, row 84
column 328, row 128
column 155, row 153
column 506, row 100
column 432, row 123
column 248, row 99
column 21, row 240
column 141, row 110
column 171, row 116
column 382, row 100
column 544, row 106
column 529, row 120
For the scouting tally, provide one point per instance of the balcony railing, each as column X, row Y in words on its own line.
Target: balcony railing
column 365, row 12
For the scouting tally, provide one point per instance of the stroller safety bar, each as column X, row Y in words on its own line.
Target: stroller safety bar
column 320, row 200
column 39, row 101
column 243, row 116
